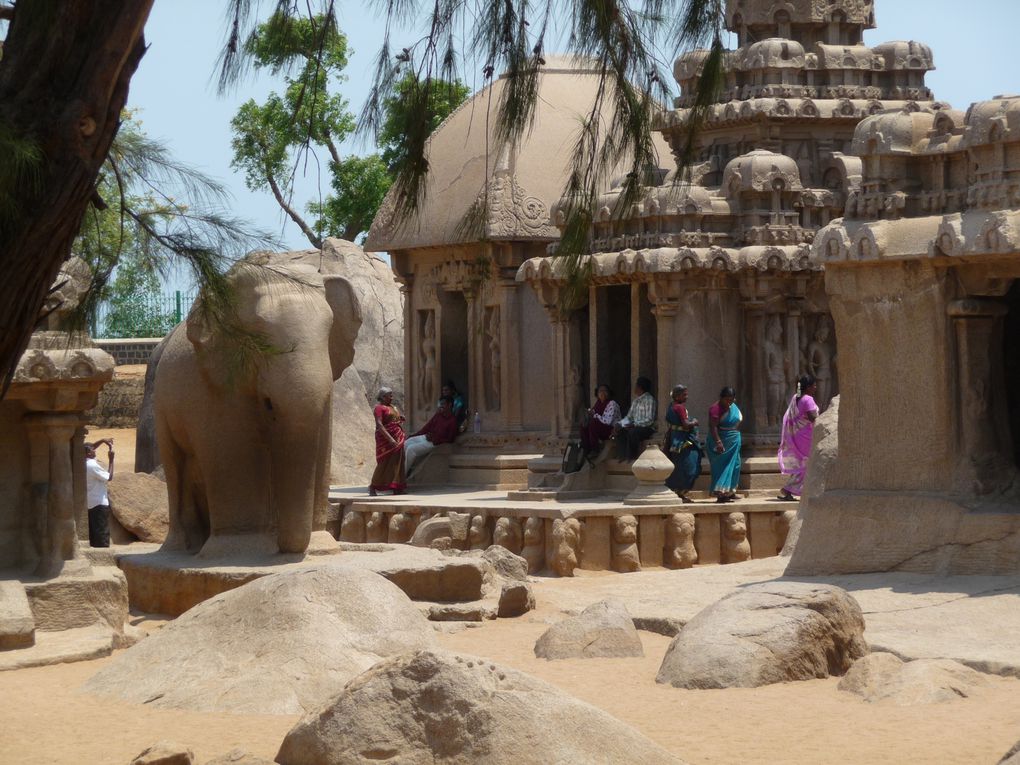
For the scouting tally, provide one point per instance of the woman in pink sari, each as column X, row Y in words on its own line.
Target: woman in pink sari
column 389, row 446
column 795, row 446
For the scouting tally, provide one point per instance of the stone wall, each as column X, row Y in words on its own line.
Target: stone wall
column 129, row 350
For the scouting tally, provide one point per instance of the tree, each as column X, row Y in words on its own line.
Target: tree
column 67, row 64
column 270, row 139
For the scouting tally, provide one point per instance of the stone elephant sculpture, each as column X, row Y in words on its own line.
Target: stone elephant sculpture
column 245, row 437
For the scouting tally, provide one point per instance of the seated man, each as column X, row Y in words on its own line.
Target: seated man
column 639, row 424
column 441, row 429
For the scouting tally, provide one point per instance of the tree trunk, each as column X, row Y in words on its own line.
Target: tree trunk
column 64, row 80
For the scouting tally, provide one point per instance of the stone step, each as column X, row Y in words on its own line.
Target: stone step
column 17, row 625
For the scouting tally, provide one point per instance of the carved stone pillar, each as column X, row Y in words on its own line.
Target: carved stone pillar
column 566, row 363
column 411, row 344
column 985, row 446
column 475, row 337
column 81, row 511
column 510, row 363
column 665, row 297
column 52, row 490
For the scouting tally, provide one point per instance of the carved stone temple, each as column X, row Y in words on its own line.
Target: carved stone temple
column 923, row 278
column 711, row 281
column 48, row 585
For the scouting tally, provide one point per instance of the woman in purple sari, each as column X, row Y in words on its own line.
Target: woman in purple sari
column 795, row 446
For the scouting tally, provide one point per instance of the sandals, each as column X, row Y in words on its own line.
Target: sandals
column 785, row 496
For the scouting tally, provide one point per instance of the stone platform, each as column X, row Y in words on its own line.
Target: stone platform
column 170, row 583
column 752, row 527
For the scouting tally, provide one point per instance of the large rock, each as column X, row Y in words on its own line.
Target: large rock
column 767, row 633
column 17, row 625
column 139, row 502
column 378, row 361
column 239, row 757
column 378, row 355
column 824, row 450
column 603, row 630
column 438, row 708
column 883, row 676
column 282, row 644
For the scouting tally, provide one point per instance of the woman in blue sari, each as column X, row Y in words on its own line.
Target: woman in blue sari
column 724, row 423
column 682, row 446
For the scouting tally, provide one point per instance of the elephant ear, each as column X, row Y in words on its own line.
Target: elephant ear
column 347, row 320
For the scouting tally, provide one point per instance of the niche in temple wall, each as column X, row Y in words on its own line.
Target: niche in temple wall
column 427, row 364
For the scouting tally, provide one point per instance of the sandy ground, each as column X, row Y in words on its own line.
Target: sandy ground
column 46, row 720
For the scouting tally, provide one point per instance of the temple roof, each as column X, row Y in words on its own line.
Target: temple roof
column 764, row 12
column 475, row 191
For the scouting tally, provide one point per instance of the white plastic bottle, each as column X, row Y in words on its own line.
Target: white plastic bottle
column 478, row 423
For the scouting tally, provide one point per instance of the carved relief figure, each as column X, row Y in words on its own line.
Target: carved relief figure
column 821, row 359
column 534, row 544
column 508, row 534
column 352, row 527
column 376, row 528
column 428, row 361
column 479, row 537
column 775, row 371
column 494, row 378
column 625, row 547
column 402, row 527
column 572, row 399
column 680, row 552
column 735, row 547
column 567, row 541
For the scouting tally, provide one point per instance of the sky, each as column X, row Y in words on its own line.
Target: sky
column 175, row 95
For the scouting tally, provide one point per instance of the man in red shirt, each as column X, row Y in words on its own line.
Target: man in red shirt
column 441, row 429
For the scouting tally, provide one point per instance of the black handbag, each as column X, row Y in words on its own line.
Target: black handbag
column 573, row 457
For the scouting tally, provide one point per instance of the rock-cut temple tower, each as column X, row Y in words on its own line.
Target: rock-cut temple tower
column 715, row 283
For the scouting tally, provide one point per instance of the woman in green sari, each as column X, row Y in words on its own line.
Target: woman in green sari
column 724, row 418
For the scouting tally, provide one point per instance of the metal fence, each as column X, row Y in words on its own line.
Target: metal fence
column 141, row 315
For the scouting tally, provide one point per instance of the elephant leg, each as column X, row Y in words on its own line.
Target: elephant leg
column 173, row 469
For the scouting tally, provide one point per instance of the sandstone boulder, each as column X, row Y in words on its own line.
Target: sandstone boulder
column 603, row 630
column 515, row 599
column 139, row 503
column 883, row 676
column 282, row 644
column 165, row 753
column 1012, row 756
column 438, row 708
column 507, row 565
column 767, row 633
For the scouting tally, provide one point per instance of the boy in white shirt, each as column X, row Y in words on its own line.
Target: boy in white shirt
column 98, row 502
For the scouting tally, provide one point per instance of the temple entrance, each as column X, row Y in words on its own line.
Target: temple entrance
column 646, row 343
column 613, row 341
column 1011, row 359
column 454, row 341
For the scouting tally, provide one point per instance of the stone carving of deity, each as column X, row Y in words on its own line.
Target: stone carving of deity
column 495, row 362
column 428, row 360
column 775, row 371
column 821, row 358
column 572, row 399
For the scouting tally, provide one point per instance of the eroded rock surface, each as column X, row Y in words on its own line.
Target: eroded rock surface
column 282, row 644
column 767, row 633
column 165, row 753
column 885, row 677
column 603, row 630
column 139, row 502
column 439, row 708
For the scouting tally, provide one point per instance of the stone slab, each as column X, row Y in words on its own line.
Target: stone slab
column 81, row 644
column 99, row 597
column 17, row 625
column 171, row 583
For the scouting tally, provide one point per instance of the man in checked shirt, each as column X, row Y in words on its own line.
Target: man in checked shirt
column 639, row 424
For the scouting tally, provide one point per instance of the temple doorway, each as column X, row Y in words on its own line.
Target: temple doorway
column 454, row 340
column 1011, row 359
column 613, row 341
